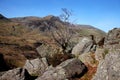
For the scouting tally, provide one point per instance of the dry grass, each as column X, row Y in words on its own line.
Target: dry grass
column 89, row 75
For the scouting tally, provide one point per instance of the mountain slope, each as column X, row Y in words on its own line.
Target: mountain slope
column 19, row 37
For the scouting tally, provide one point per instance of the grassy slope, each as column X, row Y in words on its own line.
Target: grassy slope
column 18, row 45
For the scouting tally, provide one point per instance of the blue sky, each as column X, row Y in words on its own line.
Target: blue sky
column 103, row 14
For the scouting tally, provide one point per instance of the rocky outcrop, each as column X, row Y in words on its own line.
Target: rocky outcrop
column 84, row 46
column 109, row 63
column 109, row 69
column 112, row 41
column 88, row 58
column 100, row 53
column 65, row 70
column 36, row 66
column 16, row 74
column 46, row 50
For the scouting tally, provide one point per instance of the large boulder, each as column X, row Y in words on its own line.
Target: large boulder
column 109, row 69
column 16, row 74
column 88, row 58
column 65, row 70
column 84, row 46
column 100, row 53
column 112, row 41
column 36, row 66
column 109, row 63
column 46, row 50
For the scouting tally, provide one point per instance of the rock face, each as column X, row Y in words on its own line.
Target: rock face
column 112, row 41
column 88, row 58
column 16, row 74
column 65, row 70
column 46, row 50
column 83, row 46
column 100, row 54
column 36, row 66
column 109, row 67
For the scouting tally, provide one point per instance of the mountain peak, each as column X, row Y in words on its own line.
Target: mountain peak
column 51, row 17
column 3, row 17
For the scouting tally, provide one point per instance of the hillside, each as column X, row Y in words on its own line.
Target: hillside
column 20, row 37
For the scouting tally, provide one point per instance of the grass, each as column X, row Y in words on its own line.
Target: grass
column 106, row 51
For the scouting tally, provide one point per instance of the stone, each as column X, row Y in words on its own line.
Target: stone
column 88, row 58
column 109, row 57
column 46, row 50
column 36, row 66
column 100, row 54
column 83, row 46
column 3, row 65
column 109, row 69
column 1, row 73
column 65, row 70
column 112, row 41
column 16, row 74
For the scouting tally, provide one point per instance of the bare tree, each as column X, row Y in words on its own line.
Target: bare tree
column 61, row 33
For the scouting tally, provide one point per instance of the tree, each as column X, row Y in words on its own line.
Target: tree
column 62, row 33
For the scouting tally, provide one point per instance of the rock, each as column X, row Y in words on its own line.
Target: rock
column 88, row 58
column 1, row 73
column 100, row 54
column 109, row 69
column 46, row 50
column 112, row 41
column 83, row 46
column 109, row 57
column 3, row 65
column 65, row 70
column 16, row 74
column 36, row 66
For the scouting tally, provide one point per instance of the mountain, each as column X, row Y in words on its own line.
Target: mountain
column 47, row 22
column 37, row 22
column 3, row 18
column 20, row 36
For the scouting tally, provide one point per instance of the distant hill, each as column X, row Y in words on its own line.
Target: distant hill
column 37, row 22
column 41, row 23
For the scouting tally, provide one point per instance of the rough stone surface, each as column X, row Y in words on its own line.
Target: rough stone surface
column 65, row 70
column 112, row 41
column 46, row 50
column 1, row 73
column 36, row 66
column 16, row 74
column 83, row 46
column 109, row 69
column 100, row 54
column 88, row 58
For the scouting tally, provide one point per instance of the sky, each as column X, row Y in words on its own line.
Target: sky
column 102, row 14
